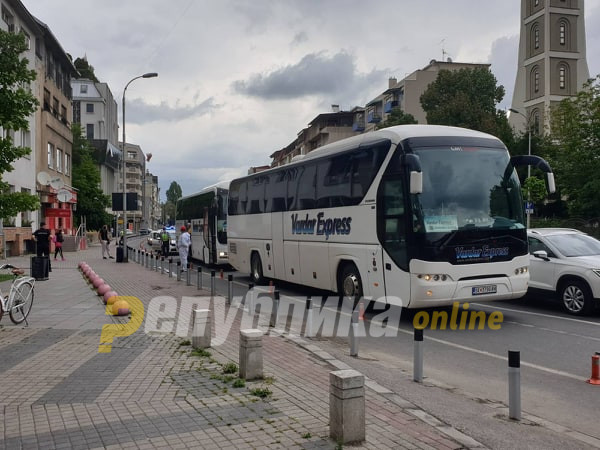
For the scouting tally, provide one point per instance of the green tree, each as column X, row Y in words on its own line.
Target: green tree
column 169, row 212
column 85, row 69
column 91, row 201
column 17, row 103
column 397, row 117
column 174, row 192
column 467, row 98
column 573, row 149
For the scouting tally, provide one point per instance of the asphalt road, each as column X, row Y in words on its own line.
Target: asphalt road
column 555, row 348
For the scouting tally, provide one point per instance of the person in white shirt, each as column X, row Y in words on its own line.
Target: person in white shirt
column 183, row 246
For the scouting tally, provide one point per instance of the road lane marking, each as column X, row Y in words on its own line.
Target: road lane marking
column 570, row 319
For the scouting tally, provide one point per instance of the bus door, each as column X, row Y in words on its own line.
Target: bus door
column 205, row 238
column 277, row 242
column 391, row 229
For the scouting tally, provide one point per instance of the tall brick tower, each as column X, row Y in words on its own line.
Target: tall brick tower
column 552, row 59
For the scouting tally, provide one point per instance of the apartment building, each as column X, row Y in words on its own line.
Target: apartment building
column 552, row 60
column 135, row 169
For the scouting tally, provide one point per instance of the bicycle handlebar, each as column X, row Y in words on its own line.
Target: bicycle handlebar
column 7, row 266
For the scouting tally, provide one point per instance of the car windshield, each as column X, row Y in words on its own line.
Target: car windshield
column 575, row 244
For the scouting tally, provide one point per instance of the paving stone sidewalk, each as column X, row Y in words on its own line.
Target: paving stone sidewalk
column 152, row 390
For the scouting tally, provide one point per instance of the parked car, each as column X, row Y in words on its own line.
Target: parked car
column 145, row 231
column 566, row 262
column 155, row 241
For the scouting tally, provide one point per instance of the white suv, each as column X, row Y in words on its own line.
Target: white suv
column 567, row 262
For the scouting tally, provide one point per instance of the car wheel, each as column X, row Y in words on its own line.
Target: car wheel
column 350, row 283
column 576, row 297
column 256, row 271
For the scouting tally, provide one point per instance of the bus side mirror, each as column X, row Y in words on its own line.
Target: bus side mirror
column 535, row 161
column 550, row 182
column 413, row 163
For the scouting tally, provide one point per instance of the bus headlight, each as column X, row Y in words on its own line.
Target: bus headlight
column 521, row 270
column 433, row 277
column 222, row 254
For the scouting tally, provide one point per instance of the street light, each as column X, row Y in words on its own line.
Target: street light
column 146, row 75
column 528, row 124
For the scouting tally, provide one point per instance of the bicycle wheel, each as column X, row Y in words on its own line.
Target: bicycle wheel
column 22, row 302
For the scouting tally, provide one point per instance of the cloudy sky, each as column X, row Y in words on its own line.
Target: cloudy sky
column 238, row 79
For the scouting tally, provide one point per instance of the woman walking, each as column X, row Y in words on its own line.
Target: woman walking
column 58, row 239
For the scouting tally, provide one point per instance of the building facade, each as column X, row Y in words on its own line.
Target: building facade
column 135, row 168
column 552, row 60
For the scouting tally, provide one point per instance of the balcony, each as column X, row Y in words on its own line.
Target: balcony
column 388, row 106
column 358, row 126
column 373, row 117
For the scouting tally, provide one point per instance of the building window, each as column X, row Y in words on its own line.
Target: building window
column 89, row 107
column 536, row 3
column 59, row 155
column 131, row 155
column 89, row 131
column 67, row 164
column 27, row 38
column 83, row 89
column 7, row 17
column 50, row 155
column 76, row 111
column 536, row 81
column 55, row 107
column 536, row 37
column 562, row 33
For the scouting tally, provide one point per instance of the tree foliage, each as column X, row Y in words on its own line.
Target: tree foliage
column 85, row 69
column 17, row 103
column 174, row 192
column 574, row 149
column 91, row 201
column 397, row 117
column 467, row 98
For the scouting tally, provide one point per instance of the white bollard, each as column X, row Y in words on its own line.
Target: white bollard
column 347, row 406
column 202, row 328
column 251, row 359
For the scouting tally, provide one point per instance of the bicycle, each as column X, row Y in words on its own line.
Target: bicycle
column 19, row 300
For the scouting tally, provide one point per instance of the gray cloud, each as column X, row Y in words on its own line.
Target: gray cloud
column 141, row 112
column 504, row 59
column 315, row 74
column 299, row 38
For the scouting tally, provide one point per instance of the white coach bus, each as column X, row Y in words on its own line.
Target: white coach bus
column 426, row 214
column 206, row 214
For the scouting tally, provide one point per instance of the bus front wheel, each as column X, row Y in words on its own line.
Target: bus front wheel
column 350, row 283
column 256, row 269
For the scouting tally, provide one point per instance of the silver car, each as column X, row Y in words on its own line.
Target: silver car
column 566, row 262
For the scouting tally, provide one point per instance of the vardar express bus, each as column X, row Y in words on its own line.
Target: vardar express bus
column 425, row 215
column 206, row 214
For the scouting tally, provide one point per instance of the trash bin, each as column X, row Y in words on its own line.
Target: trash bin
column 40, row 266
column 121, row 255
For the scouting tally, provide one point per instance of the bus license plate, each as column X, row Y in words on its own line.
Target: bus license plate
column 486, row 289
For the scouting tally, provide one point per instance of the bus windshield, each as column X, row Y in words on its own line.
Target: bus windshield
column 466, row 188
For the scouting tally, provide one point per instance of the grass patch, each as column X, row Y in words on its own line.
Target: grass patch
column 228, row 378
column 239, row 383
column 269, row 380
column 306, row 435
column 200, row 352
column 186, row 342
column 5, row 277
column 261, row 392
column 230, row 368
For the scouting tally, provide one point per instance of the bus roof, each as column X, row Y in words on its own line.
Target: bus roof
column 212, row 187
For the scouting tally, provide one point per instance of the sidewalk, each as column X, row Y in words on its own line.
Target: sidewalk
column 152, row 391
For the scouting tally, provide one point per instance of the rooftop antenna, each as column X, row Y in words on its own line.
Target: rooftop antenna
column 444, row 53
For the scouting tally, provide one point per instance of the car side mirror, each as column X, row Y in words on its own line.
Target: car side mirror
column 542, row 254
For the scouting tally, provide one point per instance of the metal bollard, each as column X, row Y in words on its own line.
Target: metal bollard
column 250, row 298
column 199, row 278
column 212, row 283
column 178, row 270
column 275, row 313
column 162, row 265
column 155, row 268
column 514, row 385
column 309, row 317
column 170, row 267
column 229, row 288
column 418, row 356
column 151, row 261
column 354, row 334
column 187, row 274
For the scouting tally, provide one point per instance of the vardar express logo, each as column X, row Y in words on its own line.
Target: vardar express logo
column 325, row 227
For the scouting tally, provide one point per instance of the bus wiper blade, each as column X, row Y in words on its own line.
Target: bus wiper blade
column 447, row 240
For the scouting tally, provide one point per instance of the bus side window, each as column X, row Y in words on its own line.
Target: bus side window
column 393, row 220
column 306, row 188
column 291, row 176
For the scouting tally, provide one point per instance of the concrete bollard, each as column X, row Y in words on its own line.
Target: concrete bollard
column 212, row 283
column 187, row 275
column 170, row 267
column 250, row 298
column 308, row 331
column 354, row 334
column 199, row 278
column 202, row 328
column 229, row 288
column 347, row 406
column 178, row 270
column 275, row 312
column 418, row 356
column 514, row 385
column 162, row 265
column 251, row 359
column 156, row 263
column 151, row 261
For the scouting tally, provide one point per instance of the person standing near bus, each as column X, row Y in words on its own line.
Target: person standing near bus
column 164, row 241
column 183, row 246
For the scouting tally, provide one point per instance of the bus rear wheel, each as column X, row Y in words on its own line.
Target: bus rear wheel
column 350, row 283
column 256, row 271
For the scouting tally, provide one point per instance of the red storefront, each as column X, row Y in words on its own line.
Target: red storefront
column 58, row 209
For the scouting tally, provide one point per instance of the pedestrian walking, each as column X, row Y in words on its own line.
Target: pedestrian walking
column 183, row 246
column 58, row 240
column 42, row 239
column 104, row 237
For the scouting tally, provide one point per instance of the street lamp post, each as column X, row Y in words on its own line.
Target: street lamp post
column 528, row 124
column 146, row 75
